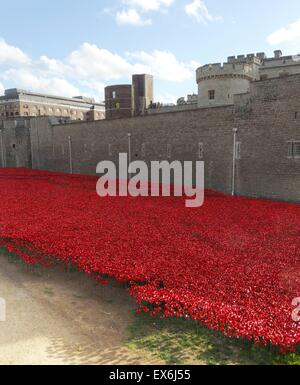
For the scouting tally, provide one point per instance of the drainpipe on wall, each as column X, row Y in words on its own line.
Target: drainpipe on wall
column 235, row 131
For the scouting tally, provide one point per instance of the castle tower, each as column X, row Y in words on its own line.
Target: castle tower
column 219, row 83
column 118, row 101
column 142, row 89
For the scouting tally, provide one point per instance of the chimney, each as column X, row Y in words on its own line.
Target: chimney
column 277, row 54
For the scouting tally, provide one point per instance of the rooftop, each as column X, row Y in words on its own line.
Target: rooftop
column 15, row 93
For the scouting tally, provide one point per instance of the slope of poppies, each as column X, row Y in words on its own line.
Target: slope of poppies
column 233, row 264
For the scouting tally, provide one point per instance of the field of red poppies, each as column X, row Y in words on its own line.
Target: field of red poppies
column 233, row 264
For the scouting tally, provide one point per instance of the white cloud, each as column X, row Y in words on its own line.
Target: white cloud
column 1, row 89
column 91, row 62
column 53, row 66
column 45, row 75
column 148, row 5
column 167, row 98
column 11, row 54
column 133, row 10
column 289, row 34
column 198, row 10
column 90, row 68
column 164, row 65
column 28, row 79
column 132, row 17
column 95, row 88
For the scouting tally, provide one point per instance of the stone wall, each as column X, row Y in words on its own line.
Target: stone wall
column 173, row 136
column 267, row 119
column 225, row 81
column 224, row 90
column 167, row 109
column 15, row 144
column 274, row 68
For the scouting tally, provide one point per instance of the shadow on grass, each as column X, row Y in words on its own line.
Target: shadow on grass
column 178, row 341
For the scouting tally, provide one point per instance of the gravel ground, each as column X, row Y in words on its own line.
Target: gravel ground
column 59, row 317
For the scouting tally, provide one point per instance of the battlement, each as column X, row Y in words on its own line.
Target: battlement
column 282, row 61
column 249, row 58
column 229, row 69
column 262, row 59
column 250, row 66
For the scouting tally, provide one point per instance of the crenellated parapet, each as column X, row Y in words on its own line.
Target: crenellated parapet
column 238, row 70
column 218, row 83
column 249, row 58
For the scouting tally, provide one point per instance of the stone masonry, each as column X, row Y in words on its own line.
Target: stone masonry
column 268, row 123
column 267, row 154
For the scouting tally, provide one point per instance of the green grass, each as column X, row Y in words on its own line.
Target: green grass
column 178, row 341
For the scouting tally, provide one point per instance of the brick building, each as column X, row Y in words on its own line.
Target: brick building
column 118, row 101
column 126, row 100
column 20, row 103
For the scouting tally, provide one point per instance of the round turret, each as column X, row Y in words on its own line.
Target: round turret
column 218, row 84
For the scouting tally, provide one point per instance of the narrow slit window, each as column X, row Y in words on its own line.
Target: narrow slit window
column 200, row 150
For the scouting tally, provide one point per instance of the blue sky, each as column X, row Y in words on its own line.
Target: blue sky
column 72, row 47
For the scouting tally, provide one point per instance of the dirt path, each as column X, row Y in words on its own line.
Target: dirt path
column 58, row 317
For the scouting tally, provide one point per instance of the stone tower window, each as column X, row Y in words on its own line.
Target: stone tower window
column 211, row 94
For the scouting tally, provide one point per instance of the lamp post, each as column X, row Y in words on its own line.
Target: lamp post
column 70, row 154
column 2, row 149
column 129, row 154
column 38, row 147
column 235, row 131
